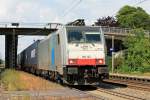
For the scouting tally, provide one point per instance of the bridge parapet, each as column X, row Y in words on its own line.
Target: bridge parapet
column 30, row 25
column 117, row 30
column 120, row 31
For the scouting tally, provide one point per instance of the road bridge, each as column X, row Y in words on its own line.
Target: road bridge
column 115, row 35
column 11, row 32
column 119, row 33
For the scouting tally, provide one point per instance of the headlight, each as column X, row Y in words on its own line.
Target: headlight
column 100, row 61
column 72, row 61
column 72, row 70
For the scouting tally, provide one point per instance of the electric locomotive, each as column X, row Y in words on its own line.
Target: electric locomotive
column 85, row 55
column 73, row 54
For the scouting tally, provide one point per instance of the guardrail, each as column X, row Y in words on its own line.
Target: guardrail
column 118, row 30
column 30, row 25
column 115, row 30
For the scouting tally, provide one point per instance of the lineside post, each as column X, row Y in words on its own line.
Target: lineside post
column 112, row 54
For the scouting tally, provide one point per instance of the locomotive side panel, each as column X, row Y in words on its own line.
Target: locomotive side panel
column 52, row 51
column 50, row 54
column 57, row 49
column 63, row 46
column 43, row 55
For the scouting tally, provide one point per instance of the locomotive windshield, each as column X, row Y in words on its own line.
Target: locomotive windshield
column 86, row 37
column 92, row 37
column 75, row 36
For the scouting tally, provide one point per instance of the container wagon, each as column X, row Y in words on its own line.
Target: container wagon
column 28, row 59
column 73, row 54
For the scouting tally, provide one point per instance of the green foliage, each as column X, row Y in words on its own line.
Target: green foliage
column 107, row 21
column 137, row 58
column 118, row 61
column 131, row 17
column 109, row 62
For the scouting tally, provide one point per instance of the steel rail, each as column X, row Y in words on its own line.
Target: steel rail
column 130, row 84
column 118, row 94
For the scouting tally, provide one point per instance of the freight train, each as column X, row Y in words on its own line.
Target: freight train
column 73, row 54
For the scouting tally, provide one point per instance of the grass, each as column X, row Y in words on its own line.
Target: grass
column 13, row 80
column 138, row 73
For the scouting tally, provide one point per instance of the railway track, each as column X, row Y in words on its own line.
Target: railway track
column 113, row 95
column 101, row 93
column 47, row 95
column 130, row 81
column 134, row 85
column 95, row 97
column 104, row 93
column 118, row 95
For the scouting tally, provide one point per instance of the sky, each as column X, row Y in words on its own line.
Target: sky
column 60, row 11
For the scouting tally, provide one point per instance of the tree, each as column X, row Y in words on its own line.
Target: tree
column 138, row 52
column 132, row 17
column 107, row 21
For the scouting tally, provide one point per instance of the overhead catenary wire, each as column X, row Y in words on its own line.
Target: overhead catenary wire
column 137, row 3
column 140, row 2
column 71, row 8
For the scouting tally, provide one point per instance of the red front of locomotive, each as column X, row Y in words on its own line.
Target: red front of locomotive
column 85, row 56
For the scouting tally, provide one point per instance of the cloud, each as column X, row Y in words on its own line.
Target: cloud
column 25, row 11
column 39, row 11
column 53, row 10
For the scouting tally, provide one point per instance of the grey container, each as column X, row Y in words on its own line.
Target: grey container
column 31, row 55
column 21, row 59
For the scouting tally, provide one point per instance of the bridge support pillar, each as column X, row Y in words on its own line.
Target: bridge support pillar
column 11, row 42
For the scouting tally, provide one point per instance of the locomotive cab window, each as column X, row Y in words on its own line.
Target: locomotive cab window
column 83, row 37
column 92, row 37
column 75, row 36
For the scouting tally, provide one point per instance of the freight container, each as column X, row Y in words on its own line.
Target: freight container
column 31, row 55
column 21, row 58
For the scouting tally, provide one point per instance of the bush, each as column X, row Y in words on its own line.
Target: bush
column 137, row 57
column 109, row 62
